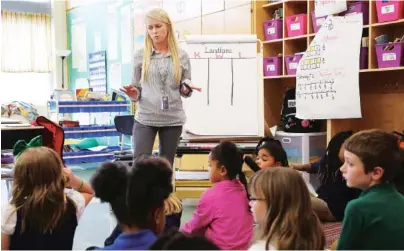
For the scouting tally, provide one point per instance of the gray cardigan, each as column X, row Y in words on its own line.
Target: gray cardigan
column 160, row 82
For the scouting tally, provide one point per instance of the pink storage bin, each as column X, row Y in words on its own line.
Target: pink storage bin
column 364, row 58
column 392, row 57
column 292, row 63
column 272, row 66
column 296, row 25
column 273, row 29
column 358, row 7
column 317, row 21
column 389, row 10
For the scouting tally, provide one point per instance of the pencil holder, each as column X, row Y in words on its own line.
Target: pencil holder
column 317, row 21
column 358, row 7
column 292, row 62
column 272, row 66
column 389, row 10
column 273, row 29
column 296, row 25
column 390, row 55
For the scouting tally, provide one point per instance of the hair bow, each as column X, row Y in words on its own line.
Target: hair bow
column 21, row 145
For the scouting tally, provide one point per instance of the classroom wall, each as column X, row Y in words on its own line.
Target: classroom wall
column 199, row 16
column 59, row 29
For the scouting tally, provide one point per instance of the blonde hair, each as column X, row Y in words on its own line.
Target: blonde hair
column 172, row 205
column 38, row 189
column 290, row 219
column 162, row 16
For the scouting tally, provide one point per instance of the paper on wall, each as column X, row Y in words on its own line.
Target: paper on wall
column 115, row 76
column 329, row 7
column 327, row 78
column 126, row 35
column 79, row 47
column 97, row 41
column 112, row 52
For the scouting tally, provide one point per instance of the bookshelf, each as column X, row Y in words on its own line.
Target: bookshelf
column 381, row 90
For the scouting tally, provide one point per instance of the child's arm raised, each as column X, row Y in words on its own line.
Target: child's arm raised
column 351, row 228
column 80, row 186
column 202, row 216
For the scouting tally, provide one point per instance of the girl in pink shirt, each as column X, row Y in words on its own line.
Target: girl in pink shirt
column 223, row 214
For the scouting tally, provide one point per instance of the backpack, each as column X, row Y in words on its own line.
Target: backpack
column 289, row 122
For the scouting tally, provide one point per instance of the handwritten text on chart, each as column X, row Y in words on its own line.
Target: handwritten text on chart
column 317, row 89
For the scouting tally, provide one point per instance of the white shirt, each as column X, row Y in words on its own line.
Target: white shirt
column 9, row 215
column 260, row 245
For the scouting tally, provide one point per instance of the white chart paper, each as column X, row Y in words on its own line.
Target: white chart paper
column 329, row 7
column 327, row 78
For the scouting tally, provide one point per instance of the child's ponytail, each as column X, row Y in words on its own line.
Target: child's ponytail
column 243, row 180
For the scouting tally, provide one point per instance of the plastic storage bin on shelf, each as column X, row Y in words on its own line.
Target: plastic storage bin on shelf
column 92, row 106
column 303, row 148
column 358, row 7
column 296, row 25
column 87, row 156
column 364, row 58
column 292, row 62
column 273, row 29
column 272, row 66
column 88, row 131
column 390, row 55
column 317, row 21
column 389, row 10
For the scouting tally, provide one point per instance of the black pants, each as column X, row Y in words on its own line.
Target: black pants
column 144, row 137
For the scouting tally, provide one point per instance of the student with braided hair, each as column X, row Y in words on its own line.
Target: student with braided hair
column 333, row 193
column 223, row 214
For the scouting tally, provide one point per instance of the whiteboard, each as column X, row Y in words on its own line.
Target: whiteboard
column 229, row 71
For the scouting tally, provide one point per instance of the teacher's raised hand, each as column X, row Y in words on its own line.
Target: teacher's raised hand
column 193, row 87
column 130, row 90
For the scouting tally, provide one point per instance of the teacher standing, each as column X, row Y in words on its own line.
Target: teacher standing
column 161, row 76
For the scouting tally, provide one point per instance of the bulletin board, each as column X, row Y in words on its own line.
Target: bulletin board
column 103, row 26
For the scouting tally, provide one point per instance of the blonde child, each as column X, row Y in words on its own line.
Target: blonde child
column 223, row 215
column 375, row 220
column 281, row 205
column 42, row 213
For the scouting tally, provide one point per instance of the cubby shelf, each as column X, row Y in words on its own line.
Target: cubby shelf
column 360, row 71
column 381, row 90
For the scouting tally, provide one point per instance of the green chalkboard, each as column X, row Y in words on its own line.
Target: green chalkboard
column 103, row 26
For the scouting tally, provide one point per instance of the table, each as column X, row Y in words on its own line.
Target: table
column 10, row 134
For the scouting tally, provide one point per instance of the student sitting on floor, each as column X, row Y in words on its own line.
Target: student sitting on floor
column 375, row 220
column 270, row 153
column 281, row 205
column 175, row 240
column 137, row 198
column 43, row 213
column 173, row 212
column 333, row 193
column 223, row 214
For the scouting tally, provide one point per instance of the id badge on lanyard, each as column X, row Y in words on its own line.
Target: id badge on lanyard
column 164, row 103
column 164, row 96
